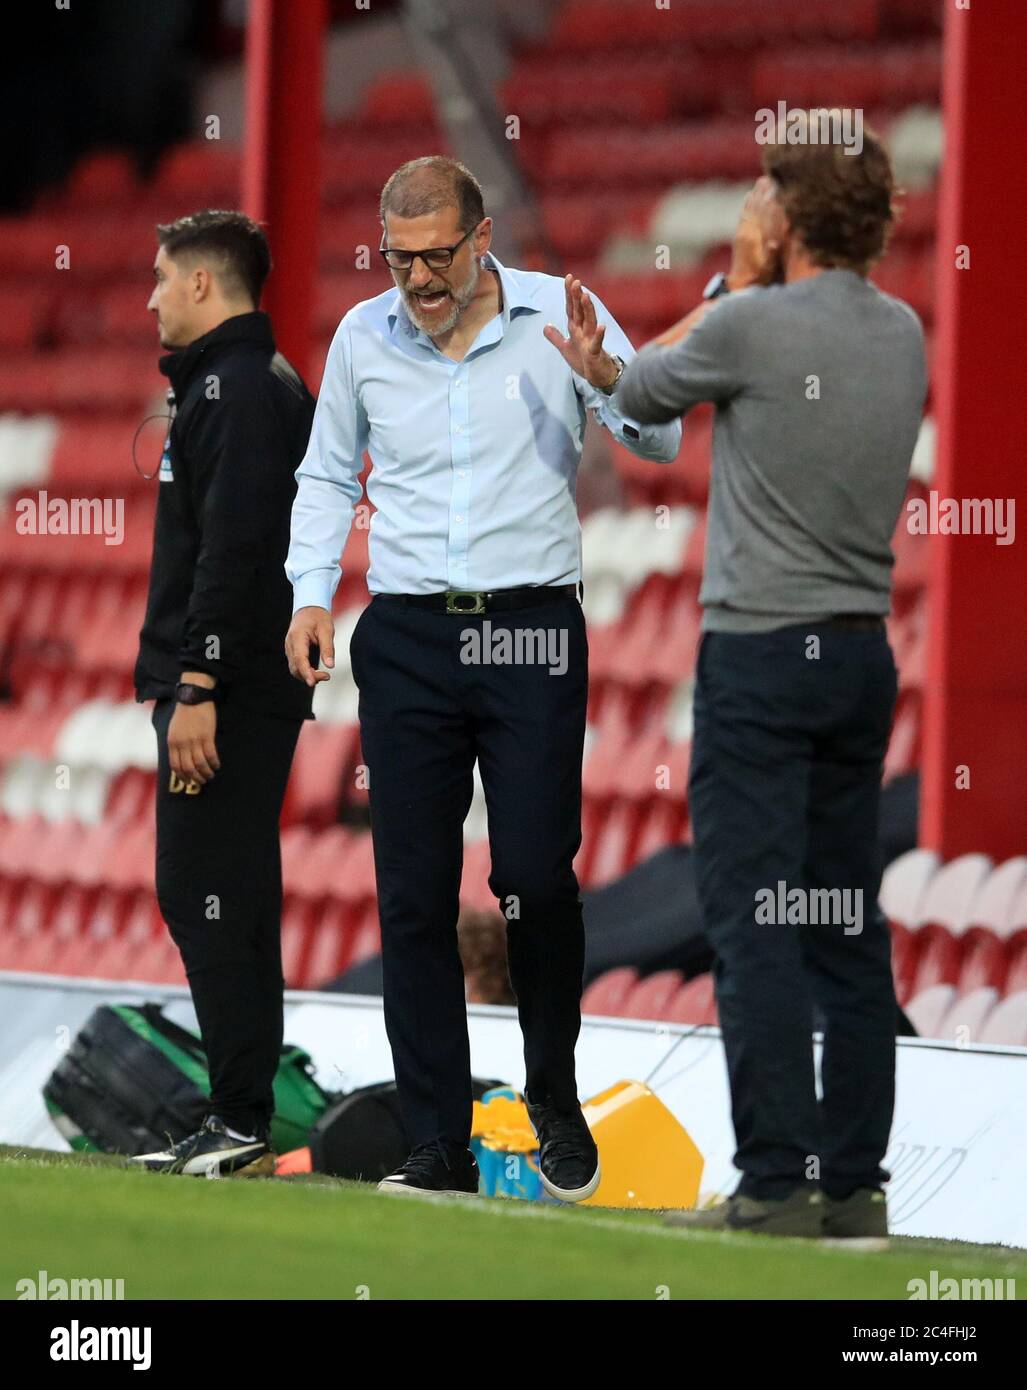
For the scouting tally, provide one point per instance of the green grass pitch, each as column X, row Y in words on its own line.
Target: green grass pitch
column 318, row 1238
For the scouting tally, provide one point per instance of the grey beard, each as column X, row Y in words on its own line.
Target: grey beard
column 461, row 298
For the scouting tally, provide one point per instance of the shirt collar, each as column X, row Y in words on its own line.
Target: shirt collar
column 254, row 327
column 518, row 297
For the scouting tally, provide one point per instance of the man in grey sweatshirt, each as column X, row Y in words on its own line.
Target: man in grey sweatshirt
column 818, row 380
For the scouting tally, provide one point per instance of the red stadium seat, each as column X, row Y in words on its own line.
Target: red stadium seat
column 398, row 99
column 354, row 879
column 316, row 874
column 331, row 943
column 1006, row 1025
column 1001, row 904
column 929, row 1007
column 295, row 842
column 663, row 822
column 367, row 939
column 695, row 1003
column 673, row 658
column 652, row 157
column 967, row 1015
column 608, row 994
column 591, row 25
column 904, row 887
column 903, row 753
column 298, row 916
column 652, row 997
column 983, row 961
column 201, row 174
column 325, row 755
column 96, row 380
column 904, row 957
column 611, row 853
column 897, row 75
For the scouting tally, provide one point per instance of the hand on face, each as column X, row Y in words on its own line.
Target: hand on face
column 758, row 254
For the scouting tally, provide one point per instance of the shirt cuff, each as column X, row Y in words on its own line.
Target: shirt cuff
column 316, row 587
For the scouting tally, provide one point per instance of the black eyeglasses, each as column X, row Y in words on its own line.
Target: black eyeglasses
column 435, row 257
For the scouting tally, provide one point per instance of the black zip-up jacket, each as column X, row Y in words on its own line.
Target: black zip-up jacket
column 219, row 600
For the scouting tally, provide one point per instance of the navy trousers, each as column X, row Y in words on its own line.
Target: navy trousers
column 791, row 728
column 428, row 709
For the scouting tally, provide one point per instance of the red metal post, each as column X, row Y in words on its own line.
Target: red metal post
column 281, row 185
column 975, row 713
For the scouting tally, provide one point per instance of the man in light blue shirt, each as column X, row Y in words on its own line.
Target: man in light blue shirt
column 472, row 403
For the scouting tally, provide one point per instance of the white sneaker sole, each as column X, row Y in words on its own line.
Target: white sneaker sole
column 398, row 1189
column 202, row 1164
column 871, row 1244
column 573, row 1194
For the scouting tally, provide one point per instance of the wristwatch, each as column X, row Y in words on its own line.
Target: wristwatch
column 609, row 390
column 188, row 694
column 716, row 286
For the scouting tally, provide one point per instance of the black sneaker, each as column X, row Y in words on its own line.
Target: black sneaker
column 568, row 1159
column 212, row 1153
column 435, row 1170
column 799, row 1214
column 860, row 1219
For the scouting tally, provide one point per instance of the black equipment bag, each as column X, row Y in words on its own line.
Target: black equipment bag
column 361, row 1135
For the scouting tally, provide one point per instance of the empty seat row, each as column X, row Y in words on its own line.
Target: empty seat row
column 663, row 997
column 919, row 893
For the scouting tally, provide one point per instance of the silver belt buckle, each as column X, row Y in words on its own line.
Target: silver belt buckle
column 455, row 601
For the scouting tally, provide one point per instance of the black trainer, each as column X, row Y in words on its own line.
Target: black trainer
column 436, row 1169
column 860, row 1219
column 798, row 1214
column 213, row 1153
column 568, row 1159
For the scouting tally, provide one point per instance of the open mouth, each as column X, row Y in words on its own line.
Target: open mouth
column 431, row 303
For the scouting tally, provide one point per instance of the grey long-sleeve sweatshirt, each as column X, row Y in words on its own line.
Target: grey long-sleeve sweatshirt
column 819, row 389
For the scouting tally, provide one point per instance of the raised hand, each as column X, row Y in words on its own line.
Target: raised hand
column 583, row 349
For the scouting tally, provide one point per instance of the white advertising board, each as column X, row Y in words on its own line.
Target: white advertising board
column 958, row 1152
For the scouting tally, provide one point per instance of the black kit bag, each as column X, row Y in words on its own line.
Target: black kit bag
column 361, row 1135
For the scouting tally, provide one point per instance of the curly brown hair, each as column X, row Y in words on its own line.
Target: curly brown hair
column 839, row 203
column 482, row 941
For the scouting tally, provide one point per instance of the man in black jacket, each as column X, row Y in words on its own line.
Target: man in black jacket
column 227, row 713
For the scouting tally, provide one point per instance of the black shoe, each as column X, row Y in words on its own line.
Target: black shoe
column 860, row 1219
column 568, row 1159
column 212, row 1153
column 436, row 1169
column 799, row 1214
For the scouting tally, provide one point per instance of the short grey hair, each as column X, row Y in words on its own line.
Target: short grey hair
column 429, row 184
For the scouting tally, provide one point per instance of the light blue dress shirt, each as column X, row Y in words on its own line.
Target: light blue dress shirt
column 474, row 463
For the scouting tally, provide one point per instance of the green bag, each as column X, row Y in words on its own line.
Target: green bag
column 132, row 1078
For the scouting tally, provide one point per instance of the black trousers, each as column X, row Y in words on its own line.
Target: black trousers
column 789, row 738
column 219, row 886
column 425, row 716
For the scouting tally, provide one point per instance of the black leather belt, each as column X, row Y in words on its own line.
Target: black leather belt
column 471, row 601
column 857, row 622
